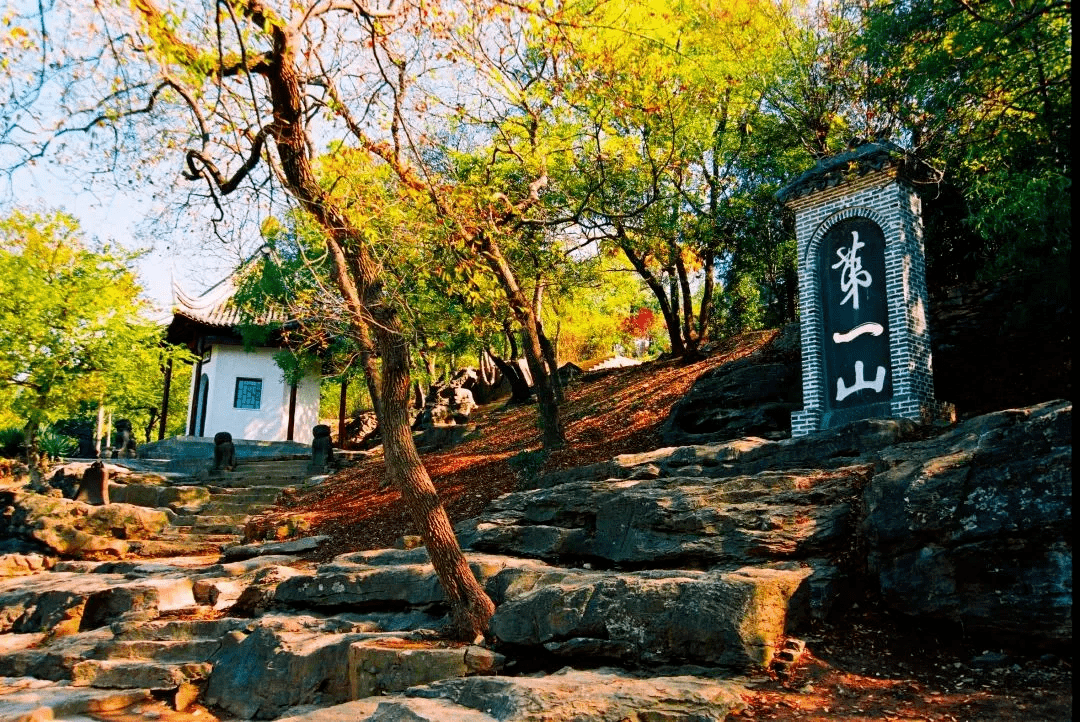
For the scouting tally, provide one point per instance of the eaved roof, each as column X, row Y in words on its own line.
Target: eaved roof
column 214, row 307
column 875, row 156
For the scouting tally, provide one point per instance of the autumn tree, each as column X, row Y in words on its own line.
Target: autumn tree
column 666, row 96
column 73, row 329
column 245, row 92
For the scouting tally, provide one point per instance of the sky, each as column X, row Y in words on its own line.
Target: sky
column 115, row 216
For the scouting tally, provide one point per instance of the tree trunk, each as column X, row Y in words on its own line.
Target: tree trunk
column 367, row 363
column 671, row 318
column 687, row 302
column 470, row 606
column 357, row 276
column 705, row 312
column 546, row 349
column 488, row 373
column 519, row 389
column 508, row 330
column 550, row 418
column 30, row 437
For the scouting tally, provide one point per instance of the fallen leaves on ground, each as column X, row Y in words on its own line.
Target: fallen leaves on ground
column 614, row 412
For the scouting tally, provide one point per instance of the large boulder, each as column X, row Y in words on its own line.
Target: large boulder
column 673, row 522
column 268, row 671
column 393, row 664
column 75, row 529
column 727, row 619
column 975, row 526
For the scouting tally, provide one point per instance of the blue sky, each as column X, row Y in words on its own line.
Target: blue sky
column 115, row 216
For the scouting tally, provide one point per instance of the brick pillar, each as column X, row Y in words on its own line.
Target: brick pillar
column 865, row 339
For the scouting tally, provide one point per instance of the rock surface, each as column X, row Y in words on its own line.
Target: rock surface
column 753, row 396
column 567, row 696
column 675, row 522
column 708, row 555
column 73, row 528
column 975, row 525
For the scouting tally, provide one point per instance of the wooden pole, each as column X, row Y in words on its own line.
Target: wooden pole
column 341, row 414
column 195, row 398
column 97, row 428
column 165, row 400
column 292, row 413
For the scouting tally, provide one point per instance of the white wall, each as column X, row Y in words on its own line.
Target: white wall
column 270, row 422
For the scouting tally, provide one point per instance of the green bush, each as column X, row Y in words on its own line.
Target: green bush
column 56, row 445
column 11, row 442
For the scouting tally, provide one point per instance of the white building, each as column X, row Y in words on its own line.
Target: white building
column 243, row 392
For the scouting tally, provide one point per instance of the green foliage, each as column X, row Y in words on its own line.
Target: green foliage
column 11, row 441
column 71, row 326
column 55, row 445
column 587, row 320
column 985, row 91
column 739, row 308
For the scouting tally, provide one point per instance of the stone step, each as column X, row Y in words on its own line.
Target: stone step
column 244, row 481
column 173, row 650
column 291, row 466
column 221, row 508
column 176, row 630
column 249, row 493
column 186, row 544
column 34, row 699
column 188, row 534
column 232, row 524
column 124, row 674
column 183, row 520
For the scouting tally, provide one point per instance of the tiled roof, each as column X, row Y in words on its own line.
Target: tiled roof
column 868, row 157
column 214, row 306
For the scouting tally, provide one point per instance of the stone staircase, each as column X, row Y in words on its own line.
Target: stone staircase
column 169, row 656
column 209, row 511
column 114, row 667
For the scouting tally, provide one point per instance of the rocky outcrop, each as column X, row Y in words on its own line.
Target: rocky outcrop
column 752, row 396
column 971, row 525
column 853, row 444
column 676, row 522
column 75, row 529
column 631, row 616
column 975, row 526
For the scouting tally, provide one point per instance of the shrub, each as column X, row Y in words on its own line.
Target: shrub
column 55, row 445
column 11, row 442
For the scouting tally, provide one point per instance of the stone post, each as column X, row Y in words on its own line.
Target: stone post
column 322, row 449
column 862, row 291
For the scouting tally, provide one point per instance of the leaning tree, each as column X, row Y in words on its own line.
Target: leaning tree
column 248, row 93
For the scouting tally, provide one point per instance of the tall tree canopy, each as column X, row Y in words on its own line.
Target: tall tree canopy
column 984, row 91
column 73, row 329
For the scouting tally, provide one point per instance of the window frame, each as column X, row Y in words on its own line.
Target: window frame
column 236, row 393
